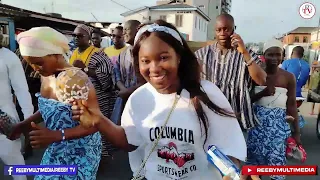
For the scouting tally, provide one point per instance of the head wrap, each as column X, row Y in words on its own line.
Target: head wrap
column 85, row 28
column 157, row 28
column 272, row 43
column 42, row 41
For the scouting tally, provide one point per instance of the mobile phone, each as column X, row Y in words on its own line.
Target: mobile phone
column 234, row 44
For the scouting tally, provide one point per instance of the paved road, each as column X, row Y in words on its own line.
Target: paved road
column 119, row 169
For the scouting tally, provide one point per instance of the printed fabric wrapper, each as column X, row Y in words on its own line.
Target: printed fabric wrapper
column 294, row 151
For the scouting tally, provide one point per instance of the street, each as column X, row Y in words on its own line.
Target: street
column 119, row 168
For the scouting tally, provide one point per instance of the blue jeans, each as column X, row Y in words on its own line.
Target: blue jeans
column 117, row 111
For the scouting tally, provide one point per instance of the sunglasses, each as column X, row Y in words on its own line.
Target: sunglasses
column 115, row 36
column 78, row 35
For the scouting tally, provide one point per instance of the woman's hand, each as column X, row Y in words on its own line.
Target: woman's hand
column 42, row 136
column 270, row 89
column 87, row 116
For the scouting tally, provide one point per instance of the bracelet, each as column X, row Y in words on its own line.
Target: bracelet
column 250, row 62
column 63, row 135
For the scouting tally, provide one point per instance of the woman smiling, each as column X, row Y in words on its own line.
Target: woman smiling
column 175, row 116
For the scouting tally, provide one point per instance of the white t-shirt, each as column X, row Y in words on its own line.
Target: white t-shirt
column 180, row 153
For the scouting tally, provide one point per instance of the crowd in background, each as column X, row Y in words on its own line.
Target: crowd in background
column 219, row 93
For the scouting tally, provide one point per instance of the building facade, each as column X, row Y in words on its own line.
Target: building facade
column 212, row 8
column 315, row 35
column 300, row 35
column 189, row 20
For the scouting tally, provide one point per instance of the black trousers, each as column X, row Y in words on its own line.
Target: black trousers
column 34, row 103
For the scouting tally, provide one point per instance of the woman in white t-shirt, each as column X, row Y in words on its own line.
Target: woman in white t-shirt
column 189, row 114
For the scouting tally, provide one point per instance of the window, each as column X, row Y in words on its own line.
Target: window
column 204, row 26
column 305, row 39
column 163, row 17
column 199, row 23
column 196, row 23
column 296, row 39
column 179, row 20
column 4, row 29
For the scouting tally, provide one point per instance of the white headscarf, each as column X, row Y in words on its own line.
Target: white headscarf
column 272, row 43
column 42, row 41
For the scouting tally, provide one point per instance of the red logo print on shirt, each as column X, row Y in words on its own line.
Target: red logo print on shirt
column 170, row 152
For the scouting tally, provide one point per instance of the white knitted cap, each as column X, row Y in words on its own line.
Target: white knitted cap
column 272, row 43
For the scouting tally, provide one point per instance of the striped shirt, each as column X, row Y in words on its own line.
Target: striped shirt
column 29, row 71
column 104, row 85
column 103, row 82
column 231, row 75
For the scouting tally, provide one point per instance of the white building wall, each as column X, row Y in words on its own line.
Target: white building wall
column 199, row 28
column 212, row 9
column 188, row 23
column 201, row 4
column 196, row 33
column 314, row 36
column 142, row 16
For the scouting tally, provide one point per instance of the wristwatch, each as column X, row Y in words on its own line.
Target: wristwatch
column 249, row 63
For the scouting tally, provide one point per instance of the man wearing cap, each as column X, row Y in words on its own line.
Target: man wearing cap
column 99, row 68
column 82, row 54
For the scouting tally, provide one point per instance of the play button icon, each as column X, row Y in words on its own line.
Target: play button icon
column 249, row 170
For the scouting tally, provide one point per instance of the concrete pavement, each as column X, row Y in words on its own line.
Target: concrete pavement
column 119, row 169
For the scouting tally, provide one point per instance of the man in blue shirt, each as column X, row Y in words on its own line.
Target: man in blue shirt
column 299, row 67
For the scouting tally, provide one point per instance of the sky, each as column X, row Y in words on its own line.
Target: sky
column 256, row 20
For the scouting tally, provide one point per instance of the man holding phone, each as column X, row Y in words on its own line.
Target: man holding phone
column 233, row 68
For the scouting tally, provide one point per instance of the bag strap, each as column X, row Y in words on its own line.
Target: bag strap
column 137, row 176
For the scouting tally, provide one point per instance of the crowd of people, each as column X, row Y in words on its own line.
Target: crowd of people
column 150, row 95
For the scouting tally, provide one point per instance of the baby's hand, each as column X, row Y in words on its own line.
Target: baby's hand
column 289, row 119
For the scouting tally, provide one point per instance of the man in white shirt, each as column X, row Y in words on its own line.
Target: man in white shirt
column 12, row 75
